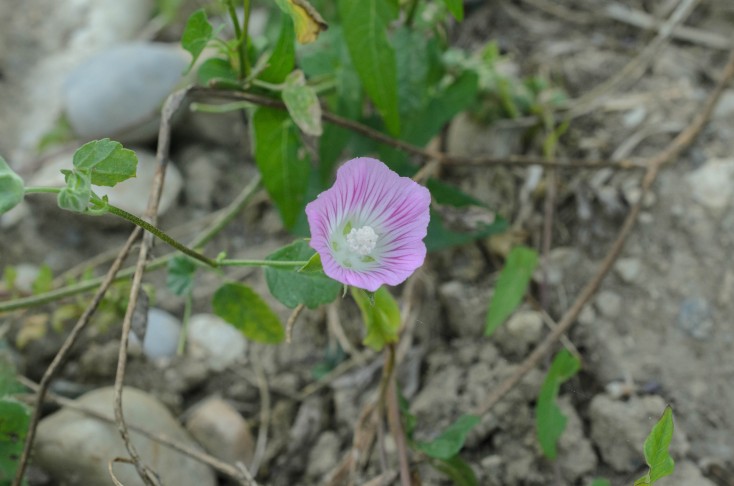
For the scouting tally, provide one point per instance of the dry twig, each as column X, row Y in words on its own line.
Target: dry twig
column 673, row 150
column 171, row 106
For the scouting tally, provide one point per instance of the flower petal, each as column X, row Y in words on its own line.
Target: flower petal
column 368, row 193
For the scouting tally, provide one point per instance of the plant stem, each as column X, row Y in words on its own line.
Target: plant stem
column 42, row 190
column 261, row 263
column 161, row 235
column 411, row 13
column 188, row 303
column 246, row 33
column 241, row 54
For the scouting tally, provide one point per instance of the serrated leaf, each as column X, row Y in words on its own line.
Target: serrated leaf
column 549, row 420
column 283, row 57
column 381, row 317
column 216, row 68
column 285, row 173
column 239, row 305
column 451, row 440
column 310, row 287
column 656, row 450
column 75, row 196
column 456, row 7
column 308, row 22
column 458, row 470
column 365, row 31
column 11, row 187
column 302, row 104
column 511, row 286
column 196, row 34
column 14, row 419
column 180, row 278
column 106, row 161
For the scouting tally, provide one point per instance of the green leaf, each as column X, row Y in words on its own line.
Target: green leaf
column 11, row 187
column 284, row 171
column 239, row 305
column 75, row 196
column 451, row 440
column 440, row 237
column 216, row 68
column 412, row 69
column 308, row 22
column 381, row 316
column 303, row 104
column 365, row 30
column 107, row 162
column 600, row 482
column 456, row 7
column 14, row 419
column 444, row 193
column 656, row 450
column 549, row 420
column 44, row 280
column 180, row 278
column 459, row 471
column 310, row 287
column 511, row 286
column 196, row 34
column 9, row 384
column 283, row 58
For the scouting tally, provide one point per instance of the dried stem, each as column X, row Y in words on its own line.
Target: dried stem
column 292, row 322
column 63, row 352
column 442, row 157
column 673, row 150
column 172, row 104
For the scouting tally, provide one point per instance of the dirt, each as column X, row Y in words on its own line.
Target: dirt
column 658, row 332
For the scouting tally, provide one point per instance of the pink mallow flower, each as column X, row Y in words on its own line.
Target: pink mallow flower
column 369, row 226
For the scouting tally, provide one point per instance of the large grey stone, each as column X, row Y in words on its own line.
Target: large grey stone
column 118, row 93
column 221, row 430
column 76, row 449
column 215, row 341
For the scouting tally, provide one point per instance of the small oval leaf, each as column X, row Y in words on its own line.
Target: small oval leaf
column 239, row 305
column 11, row 187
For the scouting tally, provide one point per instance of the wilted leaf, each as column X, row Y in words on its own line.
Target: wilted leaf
column 302, row 103
column 308, row 22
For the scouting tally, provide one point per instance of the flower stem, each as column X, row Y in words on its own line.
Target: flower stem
column 161, row 235
column 261, row 263
column 241, row 54
column 245, row 36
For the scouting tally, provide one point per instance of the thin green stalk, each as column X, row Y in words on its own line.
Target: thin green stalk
column 246, row 35
column 241, row 53
column 188, row 304
column 245, row 196
column 161, row 235
column 411, row 13
column 42, row 190
column 261, row 263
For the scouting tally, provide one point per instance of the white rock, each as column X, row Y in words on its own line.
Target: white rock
column 221, row 430
column 712, row 184
column 324, row 455
column 628, row 269
column 215, row 341
column 608, row 303
column 130, row 195
column 118, row 92
column 161, row 334
column 75, row 448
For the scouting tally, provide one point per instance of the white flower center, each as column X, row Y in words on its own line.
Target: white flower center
column 362, row 240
